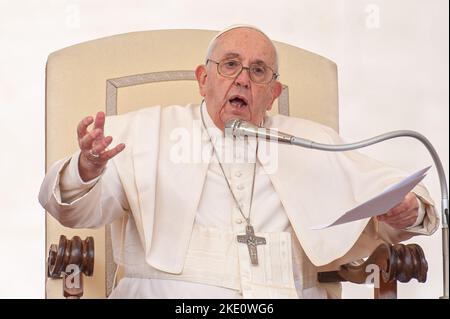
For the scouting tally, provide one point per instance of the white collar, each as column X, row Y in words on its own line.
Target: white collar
column 213, row 130
column 227, row 146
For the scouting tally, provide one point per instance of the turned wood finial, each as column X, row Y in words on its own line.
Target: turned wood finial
column 69, row 261
column 384, row 267
column 396, row 262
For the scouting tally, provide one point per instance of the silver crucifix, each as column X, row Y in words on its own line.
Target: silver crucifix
column 252, row 241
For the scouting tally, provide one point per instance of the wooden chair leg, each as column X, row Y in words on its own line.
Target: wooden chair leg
column 393, row 263
column 70, row 260
column 387, row 290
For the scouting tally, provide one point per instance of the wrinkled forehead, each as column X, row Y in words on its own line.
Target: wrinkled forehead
column 243, row 39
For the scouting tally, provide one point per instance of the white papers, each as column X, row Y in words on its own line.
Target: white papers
column 380, row 204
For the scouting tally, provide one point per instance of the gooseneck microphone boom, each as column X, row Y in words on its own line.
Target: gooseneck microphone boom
column 238, row 127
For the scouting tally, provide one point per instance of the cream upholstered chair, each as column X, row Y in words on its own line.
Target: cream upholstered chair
column 125, row 72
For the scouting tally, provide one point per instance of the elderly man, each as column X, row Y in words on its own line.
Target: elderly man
column 236, row 223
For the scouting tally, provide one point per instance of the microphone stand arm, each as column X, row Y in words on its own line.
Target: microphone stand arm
column 437, row 162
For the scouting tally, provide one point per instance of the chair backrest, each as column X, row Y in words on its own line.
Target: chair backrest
column 129, row 71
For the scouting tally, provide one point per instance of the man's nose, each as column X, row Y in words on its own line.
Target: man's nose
column 243, row 78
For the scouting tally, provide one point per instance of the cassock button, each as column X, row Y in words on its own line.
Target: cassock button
column 238, row 174
column 238, row 221
column 240, row 187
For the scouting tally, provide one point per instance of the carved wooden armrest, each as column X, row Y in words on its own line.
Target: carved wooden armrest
column 387, row 264
column 69, row 261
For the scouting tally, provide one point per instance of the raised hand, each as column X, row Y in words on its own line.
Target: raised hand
column 93, row 145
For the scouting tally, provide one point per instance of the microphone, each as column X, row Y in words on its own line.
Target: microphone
column 239, row 127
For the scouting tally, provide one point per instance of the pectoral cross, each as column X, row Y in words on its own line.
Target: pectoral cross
column 252, row 241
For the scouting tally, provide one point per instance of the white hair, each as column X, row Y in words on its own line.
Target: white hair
column 213, row 41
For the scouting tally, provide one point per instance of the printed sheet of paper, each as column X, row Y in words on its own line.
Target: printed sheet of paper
column 380, row 204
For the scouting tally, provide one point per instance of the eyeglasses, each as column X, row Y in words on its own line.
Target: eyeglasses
column 259, row 73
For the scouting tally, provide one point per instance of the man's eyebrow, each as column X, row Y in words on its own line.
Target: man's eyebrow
column 230, row 55
column 261, row 62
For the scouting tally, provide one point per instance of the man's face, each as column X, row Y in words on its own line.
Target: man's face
column 239, row 97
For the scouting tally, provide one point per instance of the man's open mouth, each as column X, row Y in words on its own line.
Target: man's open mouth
column 238, row 101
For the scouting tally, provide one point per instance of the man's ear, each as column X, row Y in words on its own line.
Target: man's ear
column 276, row 91
column 200, row 75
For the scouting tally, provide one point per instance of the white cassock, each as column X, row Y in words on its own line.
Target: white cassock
column 174, row 221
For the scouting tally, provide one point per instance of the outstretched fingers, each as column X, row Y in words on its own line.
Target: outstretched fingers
column 87, row 141
column 83, row 125
column 100, row 145
column 99, row 121
column 108, row 154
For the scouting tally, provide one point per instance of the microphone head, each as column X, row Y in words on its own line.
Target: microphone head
column 238, row 127
column 231, row 125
